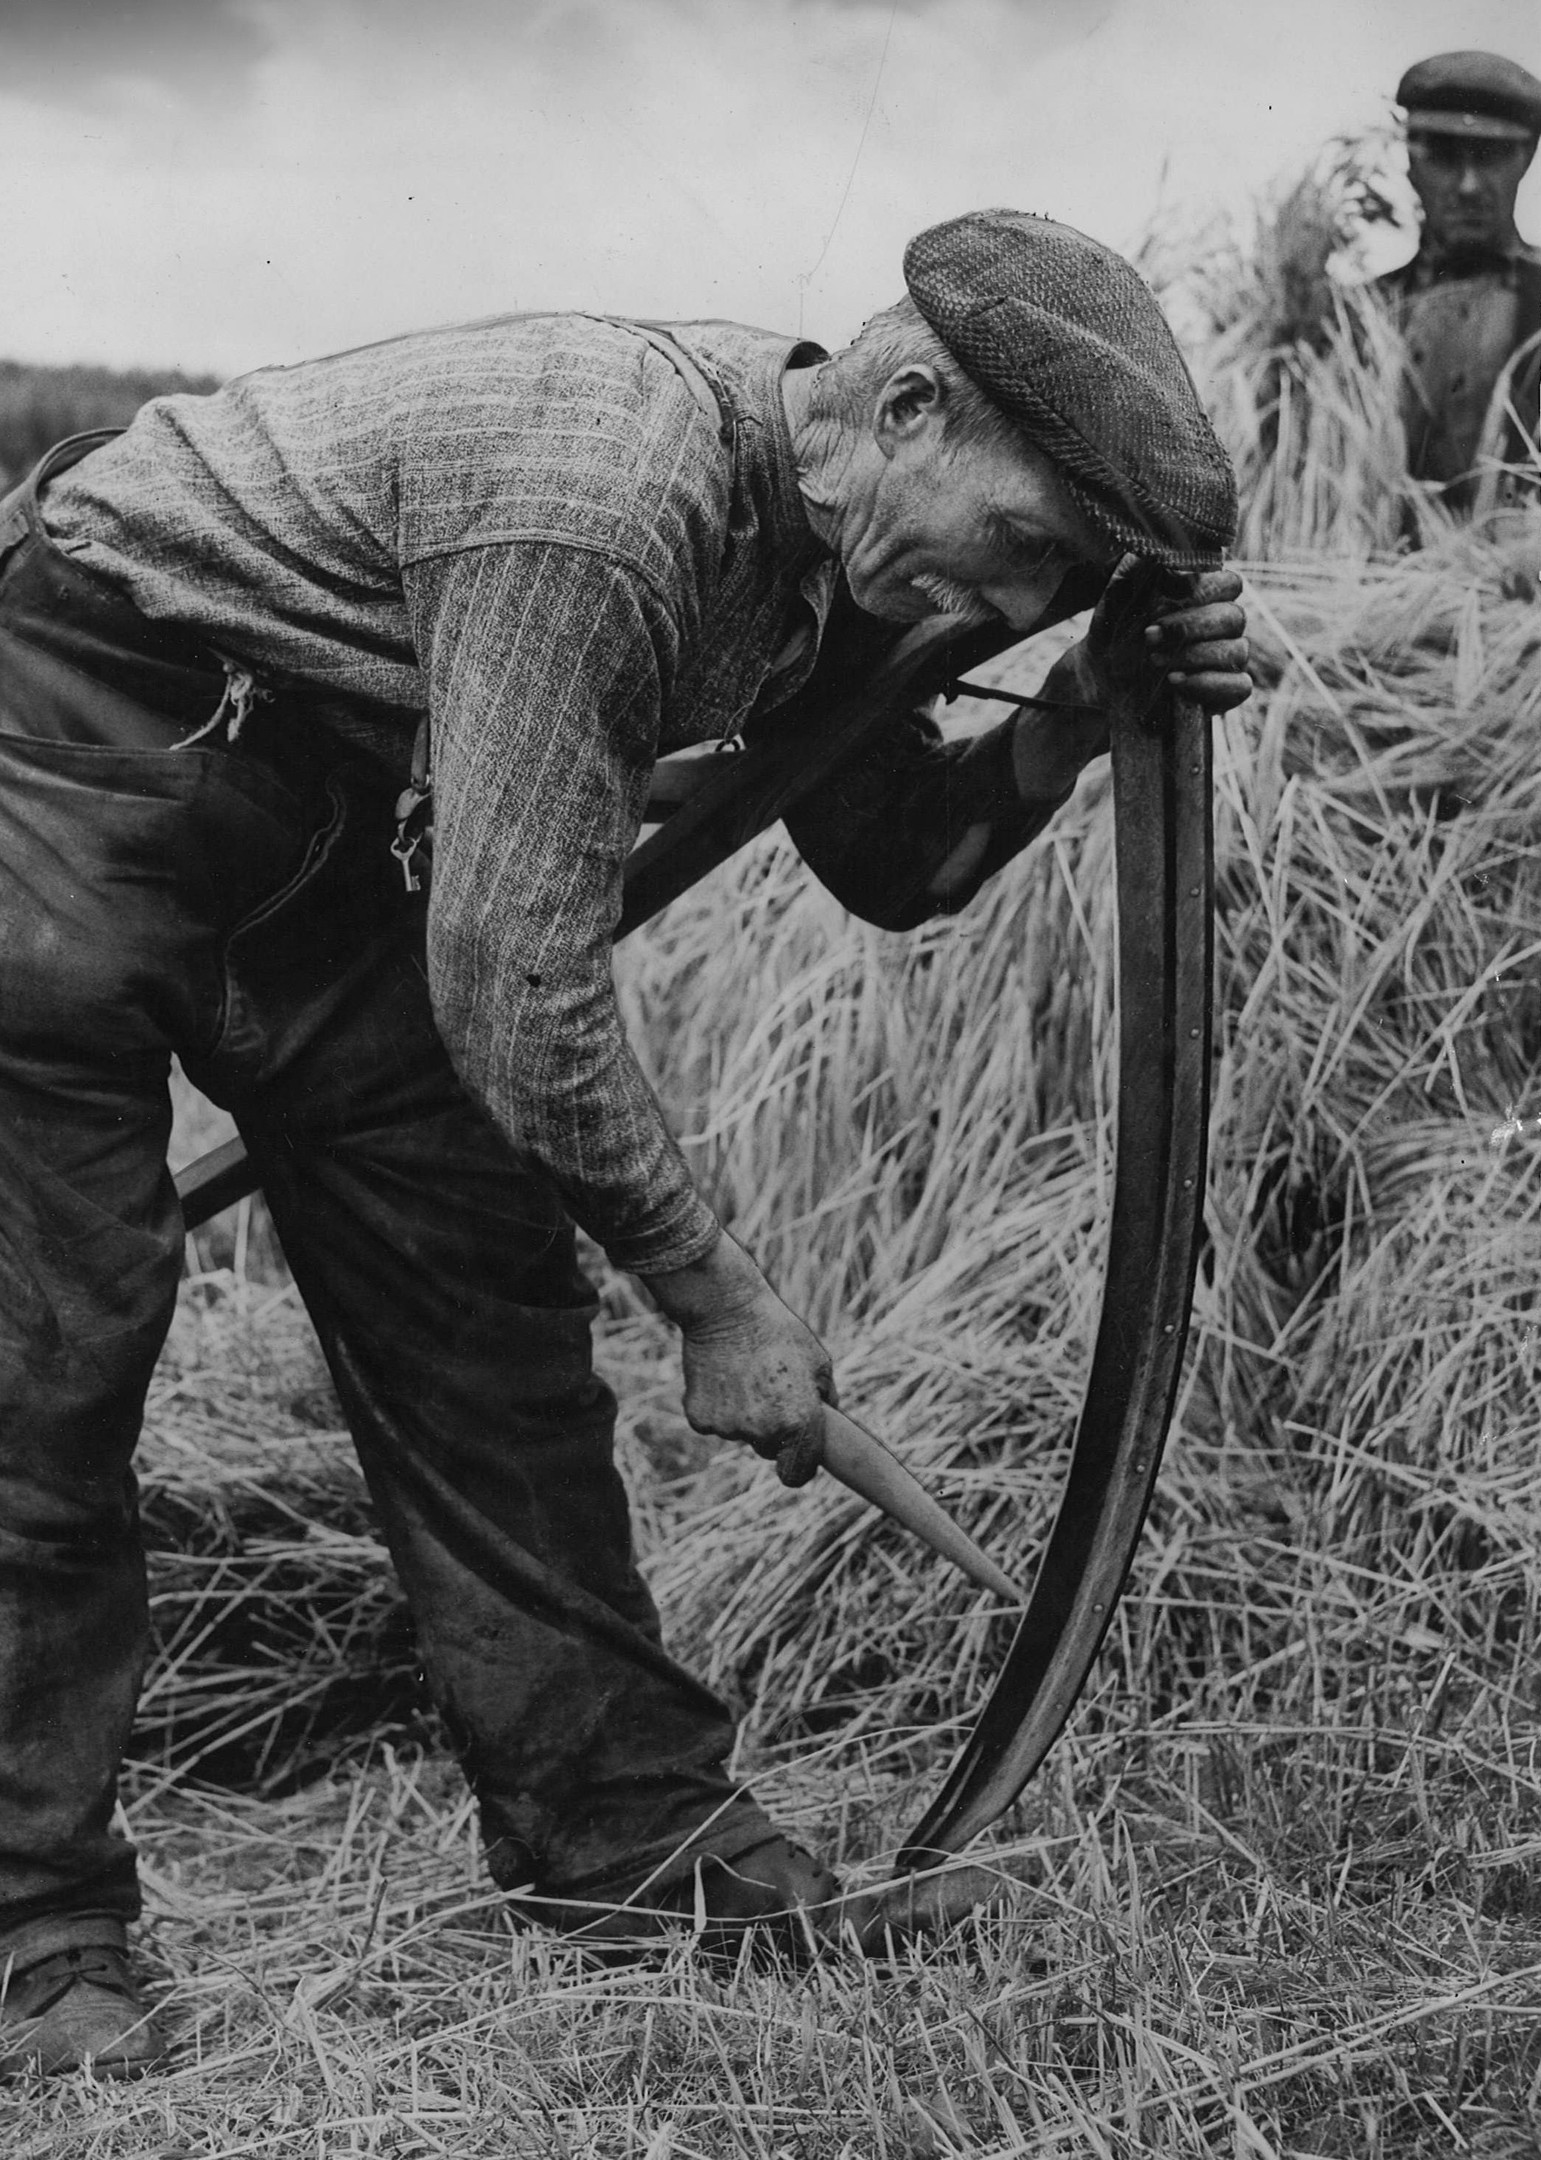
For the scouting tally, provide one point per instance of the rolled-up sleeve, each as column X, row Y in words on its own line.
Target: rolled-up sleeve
column 548, row 666
column 914, row 825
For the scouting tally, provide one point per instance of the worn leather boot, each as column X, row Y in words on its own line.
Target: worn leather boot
column 75, row 2007
column 784, row 1902
column 885, row 1920
column 779, row 1896
column 775, row 1893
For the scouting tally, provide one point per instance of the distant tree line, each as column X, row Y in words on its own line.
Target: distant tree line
column 39, row 406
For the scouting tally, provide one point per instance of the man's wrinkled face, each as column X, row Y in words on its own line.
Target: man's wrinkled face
column 974, row 529
column 1467, row 188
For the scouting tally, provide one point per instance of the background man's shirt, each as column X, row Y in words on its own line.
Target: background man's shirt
column 1461, row 332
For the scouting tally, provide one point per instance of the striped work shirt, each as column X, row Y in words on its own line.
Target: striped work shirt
column 540, row 531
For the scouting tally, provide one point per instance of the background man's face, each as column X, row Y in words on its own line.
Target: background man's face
column 1467, row 188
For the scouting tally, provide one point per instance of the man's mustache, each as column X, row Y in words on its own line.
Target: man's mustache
column 949, row 597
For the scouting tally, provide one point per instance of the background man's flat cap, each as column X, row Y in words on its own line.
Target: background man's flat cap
column 1064, row 337
column 1471, row 93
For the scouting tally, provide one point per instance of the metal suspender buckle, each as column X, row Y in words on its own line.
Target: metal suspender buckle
column 414, row 813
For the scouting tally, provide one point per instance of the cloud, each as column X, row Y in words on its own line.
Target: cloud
column 76, row 52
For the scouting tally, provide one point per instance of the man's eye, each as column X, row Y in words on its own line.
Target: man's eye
column 1023, row 552
column 1451, row 156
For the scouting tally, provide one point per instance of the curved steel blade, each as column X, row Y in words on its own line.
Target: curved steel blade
column 1164, row 848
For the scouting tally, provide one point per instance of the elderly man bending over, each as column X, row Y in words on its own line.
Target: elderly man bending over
column 574, row 544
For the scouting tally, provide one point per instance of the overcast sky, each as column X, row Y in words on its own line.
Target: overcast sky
column 218, row 183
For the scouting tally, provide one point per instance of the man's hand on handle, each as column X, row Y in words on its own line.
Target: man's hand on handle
column 1150, row 626
column 1185, row 626
column 753, row 1371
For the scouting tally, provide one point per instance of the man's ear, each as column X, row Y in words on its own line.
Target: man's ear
column 909, row 404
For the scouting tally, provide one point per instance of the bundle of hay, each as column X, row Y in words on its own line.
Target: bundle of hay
column 1298, row 358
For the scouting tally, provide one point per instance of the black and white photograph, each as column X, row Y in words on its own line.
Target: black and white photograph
column 770, row 1080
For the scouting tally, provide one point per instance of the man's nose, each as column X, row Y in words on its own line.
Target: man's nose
column 1470, row 181
column 1018, row 609
column 1024, row 600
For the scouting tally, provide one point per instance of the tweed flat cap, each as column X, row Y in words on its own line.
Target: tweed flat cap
column 1064, row 337
column 1478, row 94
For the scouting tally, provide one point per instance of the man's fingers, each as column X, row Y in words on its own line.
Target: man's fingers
column 1201, row 588
column 1186, row 626
column 1203, row 654
column 1216, row 693
column 799, row 1459
column 1196, row 626
column 1212, row 656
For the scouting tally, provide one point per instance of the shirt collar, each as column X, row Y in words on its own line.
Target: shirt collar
column 748, row 366
column 1498, row 265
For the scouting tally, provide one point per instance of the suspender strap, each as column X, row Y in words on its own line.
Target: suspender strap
column 704, row 388
column 18, row 509
column 1527, row 374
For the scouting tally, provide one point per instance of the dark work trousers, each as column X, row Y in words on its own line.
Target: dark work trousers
column 235, row 903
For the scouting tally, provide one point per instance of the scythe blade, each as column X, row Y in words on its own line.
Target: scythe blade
column 1164, row 847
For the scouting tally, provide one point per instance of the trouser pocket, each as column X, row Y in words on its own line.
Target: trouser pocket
column 121, row 874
